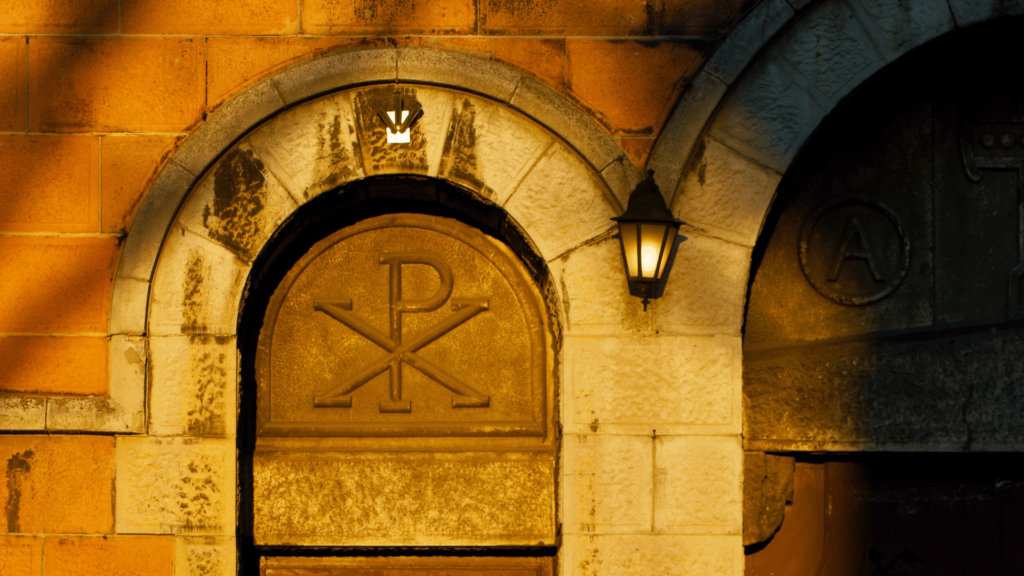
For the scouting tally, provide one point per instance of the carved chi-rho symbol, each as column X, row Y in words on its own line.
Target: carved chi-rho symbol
column 399, row 352
column 398, row 119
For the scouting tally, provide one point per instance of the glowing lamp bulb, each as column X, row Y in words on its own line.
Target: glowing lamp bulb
column 648, row 259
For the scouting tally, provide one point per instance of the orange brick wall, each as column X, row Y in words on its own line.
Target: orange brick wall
column 96, row 94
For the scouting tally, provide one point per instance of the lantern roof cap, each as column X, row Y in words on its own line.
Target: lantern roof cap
column 646, row 204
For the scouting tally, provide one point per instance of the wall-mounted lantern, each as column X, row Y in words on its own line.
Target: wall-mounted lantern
column 647, row 234
column 398, row 119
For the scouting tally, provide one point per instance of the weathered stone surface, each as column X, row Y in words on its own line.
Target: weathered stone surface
column 608, row 483
column 53, row 285
column 725, row 193
column 544, row 57
column 238, row 204
column 423, row 153
column 969, row 12
column 193, row 386
column 905, row 25
column 679, row 134
column 467, row 72
column 21, row 555
column 128, row 304
column 130, row 84
column 205, row 556
column 643, row 555
column 768, row 484
column 312, row 148
column 747, row 39
column 564, row 18
column 74, row 365
column 391, row 18
column 151, row 221
column 707, row 289
column 404, row 499
column 221, row 128
column 202, row 18
column 490, row 149
column 57, row 484
column 768, row 116
column 128, row 164
column 595, row 294
column 409, row 566
column 622, row 176
column 63, row 17
column 66, row 199
column 22, row 413
column 334, row 71
column 121, row 555
column 829, row 49
column 197, row 287
column 561, row 203
column 698, row 484
column 636, row 384
column 175, row 486
column 538, row 101
column 12, row 78
column 123, row 409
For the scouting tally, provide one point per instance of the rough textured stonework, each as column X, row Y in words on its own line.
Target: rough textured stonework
column 410, row 499
column 193, row 385
column 608, row 484
column 175, row 486
column 204, row 556
column 585, row 276
column 698, row 483
column 768, row 485
column 642, row 555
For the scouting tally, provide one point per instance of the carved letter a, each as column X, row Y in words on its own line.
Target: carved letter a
column 845, row 251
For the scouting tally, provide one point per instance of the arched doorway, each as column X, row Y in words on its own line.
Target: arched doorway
column 883, row 339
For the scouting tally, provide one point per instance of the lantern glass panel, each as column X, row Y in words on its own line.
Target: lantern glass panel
column 653, row 238
column 628, row 237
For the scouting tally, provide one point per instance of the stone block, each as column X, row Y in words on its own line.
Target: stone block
column 698, row 484
column 123, row 410
column 116, row 84
column 51, row 183
column 205, row 556
column 389, row 18
column 561, row 203
column 12, row 84
column 335, row 71
column 595, row 293
column 193, row 387
column 129, row 163
column 608, row 482
column 767, row 117
column 680, row 133
column 544, row 57
column 564, row 18
column 427, row 135
column 55, row 285
column 830, row 52
column 175, row 486
column 151, row 221
column 228, row 123
column 59, row 17
column 467, row 72
column 22, row 413
column 312, row 148
column 636, row 384
column 699, row 17
column 205, row 18
column 553, row 110
column 622, row 176
column 744, row 41
column 121, row 555
column 630, row 86
column 967, row 12
column 53, row 365
column 235, row 62
column 706, row 288
column 643, row 555
column 725, row 193
column 903, row 25
column 404, row 499
column 238, row 204
column 768, row 485
column 58, row 484
column 21, row 555
column 128, row 303
column 490, row 149
column 409, row 566
column 197, row 287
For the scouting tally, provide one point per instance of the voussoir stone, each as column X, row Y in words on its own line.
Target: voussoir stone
column 193, row 385
column 595, row 291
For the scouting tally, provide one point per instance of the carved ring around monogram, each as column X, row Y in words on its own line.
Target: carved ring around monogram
column 854, row 252
column 401, row 352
